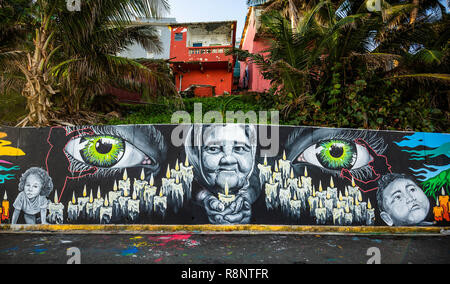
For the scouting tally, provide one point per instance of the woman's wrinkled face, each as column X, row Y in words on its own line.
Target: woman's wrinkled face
column 33, row 186
column 227, row 157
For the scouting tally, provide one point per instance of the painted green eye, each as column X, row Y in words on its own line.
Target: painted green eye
column 102, row 151
column 336, row 154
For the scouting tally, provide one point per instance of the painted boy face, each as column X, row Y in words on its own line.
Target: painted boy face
column 33, row 186
column 405, row 203
column 227, row 156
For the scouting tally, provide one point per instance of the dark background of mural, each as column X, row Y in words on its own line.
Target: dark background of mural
column 34, row 143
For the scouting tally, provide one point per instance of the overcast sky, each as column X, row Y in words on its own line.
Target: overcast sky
column 210, row 11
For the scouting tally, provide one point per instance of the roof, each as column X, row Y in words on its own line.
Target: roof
column 203, row 23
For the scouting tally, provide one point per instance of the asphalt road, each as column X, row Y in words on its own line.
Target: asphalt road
column 221, row 249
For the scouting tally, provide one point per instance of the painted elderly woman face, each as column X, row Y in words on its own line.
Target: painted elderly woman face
column 227, row 156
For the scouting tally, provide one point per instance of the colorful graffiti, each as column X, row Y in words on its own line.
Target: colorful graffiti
column 7, row 150
column 429, row 147
column 136, row 175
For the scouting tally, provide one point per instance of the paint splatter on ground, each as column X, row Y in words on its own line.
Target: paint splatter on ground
column 221, row 249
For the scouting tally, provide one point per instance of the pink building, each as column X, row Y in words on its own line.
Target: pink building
column 251, row 77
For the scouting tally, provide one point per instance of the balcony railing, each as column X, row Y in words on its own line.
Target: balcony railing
column 208, row 50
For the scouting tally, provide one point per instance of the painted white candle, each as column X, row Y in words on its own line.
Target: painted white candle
column 348, row 217
column 139, row 185
column 167, row 183
column 271, row 190
column 333, row 191
column 114, row 195
column 106, row 212
column 149, row 192
column 177, row 195
column 307, row 182
column 90, row 207
column 353, row 190
column 176, row 173
column 370, row 220
column 357, row 212
column 329, row 205
column 98, row 203
column 276, row 175
column 284, row 197
column 292, row 181
column 73, row 209
column 123, row 204
column 82, row 201
column 114, row 201
column 265, row 171
column 351, row 203
column 341, row 202
column 303, row 197
column 160, row 204
column 125, row 183
column 313, row 202
column 56, row 211
column 295, row 207
column 133, row 207
column 338, row 216
column 321, row 214
column 321, row 193
column 226, row 198
column 285, row 166
column 187, row 173
column 363, row 206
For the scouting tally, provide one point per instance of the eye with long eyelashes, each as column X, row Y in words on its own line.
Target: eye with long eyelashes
column 106, row 151
column 333, row 150
column 336, row 155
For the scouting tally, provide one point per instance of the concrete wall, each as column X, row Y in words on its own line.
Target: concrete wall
column 162, row 174
column 136, row 51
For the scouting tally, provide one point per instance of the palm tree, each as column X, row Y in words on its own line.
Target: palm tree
column 72, row 54
column 351, row 41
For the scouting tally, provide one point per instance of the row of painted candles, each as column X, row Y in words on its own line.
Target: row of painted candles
column 118, row 204
column 295, row 195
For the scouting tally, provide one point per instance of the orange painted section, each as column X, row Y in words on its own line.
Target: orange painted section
column 218, row 77
column 200, row 65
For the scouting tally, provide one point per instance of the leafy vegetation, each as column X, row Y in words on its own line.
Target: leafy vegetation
column 60, row 60
column 339, row 65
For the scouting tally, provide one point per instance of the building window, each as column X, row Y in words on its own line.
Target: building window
column 197, row 44
column 178, row 37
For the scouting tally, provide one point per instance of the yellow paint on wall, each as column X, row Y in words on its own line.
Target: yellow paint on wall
column 6, row 150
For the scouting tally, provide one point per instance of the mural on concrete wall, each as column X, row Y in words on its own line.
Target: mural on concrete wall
column 219, row 175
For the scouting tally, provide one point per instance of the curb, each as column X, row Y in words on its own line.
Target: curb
column 223, row 229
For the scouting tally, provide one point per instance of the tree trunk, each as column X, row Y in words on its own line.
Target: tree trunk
column 38, row 89
column 414, row 12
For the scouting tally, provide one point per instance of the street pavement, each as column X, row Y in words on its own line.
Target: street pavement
column 195, row 248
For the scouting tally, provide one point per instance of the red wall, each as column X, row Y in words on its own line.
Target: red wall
column 220, row 78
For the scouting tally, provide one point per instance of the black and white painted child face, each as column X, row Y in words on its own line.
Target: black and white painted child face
column 33, row 186
column 227, row 156
column 404, row 203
